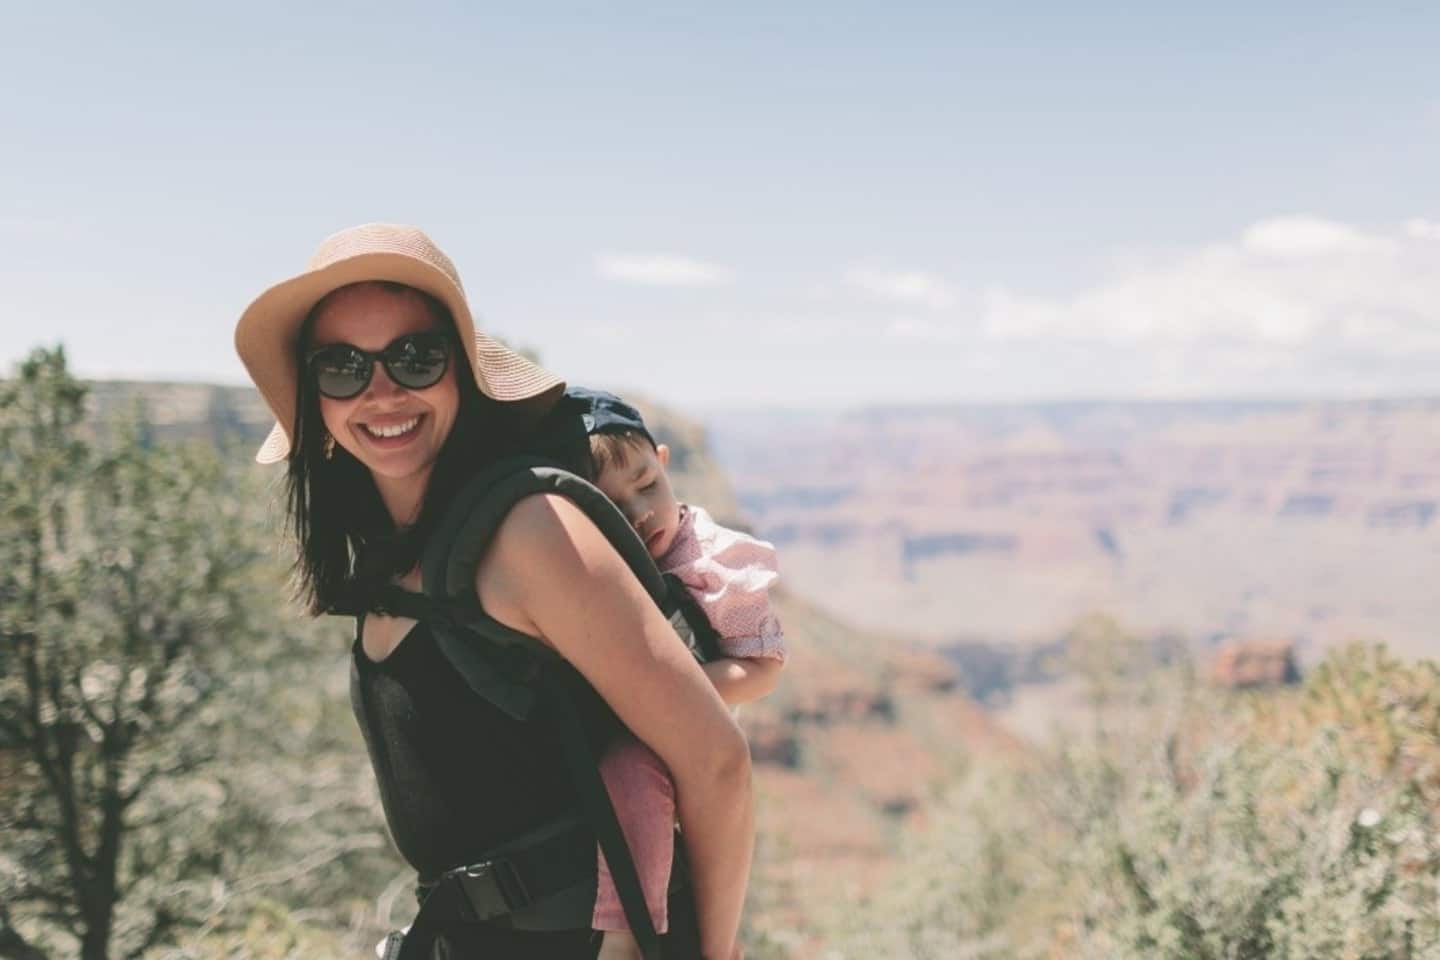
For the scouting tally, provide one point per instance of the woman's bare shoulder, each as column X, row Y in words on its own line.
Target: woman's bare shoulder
column 545, row 548
column 546, row 529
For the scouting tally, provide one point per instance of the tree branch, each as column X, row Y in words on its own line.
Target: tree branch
column 53, row 753
column 147, row 779
column 34, row 823
column 35, row 737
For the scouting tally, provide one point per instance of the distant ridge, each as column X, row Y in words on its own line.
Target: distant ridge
column 184, row 411
column 1318, row 520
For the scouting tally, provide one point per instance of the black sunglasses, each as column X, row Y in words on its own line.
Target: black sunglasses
column 415, row 361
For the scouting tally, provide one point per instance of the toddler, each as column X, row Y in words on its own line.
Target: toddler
column 728, row 573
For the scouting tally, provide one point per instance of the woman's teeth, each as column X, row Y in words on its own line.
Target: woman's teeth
column 395, row 430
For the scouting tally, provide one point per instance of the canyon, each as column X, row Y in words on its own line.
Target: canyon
column 1002, row 525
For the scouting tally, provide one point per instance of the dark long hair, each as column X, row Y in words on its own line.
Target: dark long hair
column 347, row 544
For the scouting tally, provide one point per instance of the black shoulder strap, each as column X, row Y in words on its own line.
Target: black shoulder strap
column 450, row 561
column 584, row 770
column 502, row 673
column 448, row 572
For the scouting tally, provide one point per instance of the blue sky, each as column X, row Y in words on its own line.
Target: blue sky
column 722, row 205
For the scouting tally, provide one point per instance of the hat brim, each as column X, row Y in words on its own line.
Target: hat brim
column 267, row 338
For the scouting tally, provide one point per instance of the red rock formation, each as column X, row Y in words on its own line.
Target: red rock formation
column 1248, row 663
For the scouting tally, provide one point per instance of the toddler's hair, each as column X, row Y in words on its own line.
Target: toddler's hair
column 612, row 448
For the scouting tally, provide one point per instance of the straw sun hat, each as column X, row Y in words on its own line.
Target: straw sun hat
column 267, row 334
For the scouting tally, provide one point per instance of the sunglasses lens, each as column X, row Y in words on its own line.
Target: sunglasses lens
column 341, row 372
column 417, row 361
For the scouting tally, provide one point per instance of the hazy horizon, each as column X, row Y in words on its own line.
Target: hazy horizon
column 701, row 409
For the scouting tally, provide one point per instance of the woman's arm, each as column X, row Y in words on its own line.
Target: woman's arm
column 550, row 572
column 743, row 679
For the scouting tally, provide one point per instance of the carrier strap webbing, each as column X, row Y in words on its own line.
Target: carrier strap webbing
column 595, row 801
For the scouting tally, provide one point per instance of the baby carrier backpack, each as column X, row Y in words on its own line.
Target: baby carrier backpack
column 544, row 880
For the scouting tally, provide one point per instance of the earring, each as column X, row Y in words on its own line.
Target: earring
column 328, row 447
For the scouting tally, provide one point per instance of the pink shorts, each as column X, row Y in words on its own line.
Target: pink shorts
column 644, row 799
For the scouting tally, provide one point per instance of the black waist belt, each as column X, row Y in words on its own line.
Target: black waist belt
column 518, row 877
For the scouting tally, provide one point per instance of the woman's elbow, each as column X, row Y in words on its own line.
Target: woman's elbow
column 727, row 765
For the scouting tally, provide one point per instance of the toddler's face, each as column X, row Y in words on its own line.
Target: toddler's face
column 641, row 489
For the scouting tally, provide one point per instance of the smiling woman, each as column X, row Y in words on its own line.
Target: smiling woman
column 387, row 403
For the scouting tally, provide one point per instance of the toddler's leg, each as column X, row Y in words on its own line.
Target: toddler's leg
column 619, row 945
column 644, row 799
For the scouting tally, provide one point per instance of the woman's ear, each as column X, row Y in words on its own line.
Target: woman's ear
column 662, row 453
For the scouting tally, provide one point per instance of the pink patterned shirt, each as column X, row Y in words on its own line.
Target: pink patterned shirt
column 730, row 574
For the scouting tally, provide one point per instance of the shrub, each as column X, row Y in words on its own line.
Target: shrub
column 1193, row 823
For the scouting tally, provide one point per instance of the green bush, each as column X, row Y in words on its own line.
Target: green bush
column 1192, row 823
column 177, row 759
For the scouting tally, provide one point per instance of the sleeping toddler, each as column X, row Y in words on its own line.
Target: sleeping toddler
column 729, row 574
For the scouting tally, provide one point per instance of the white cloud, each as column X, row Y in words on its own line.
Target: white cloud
column 1420, row 229
column 661, row 270
column 1289, row 283
column 1299, row 238
column 902, row 286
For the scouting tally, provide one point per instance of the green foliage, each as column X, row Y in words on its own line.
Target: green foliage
column 1193, row 823
column 167, row 761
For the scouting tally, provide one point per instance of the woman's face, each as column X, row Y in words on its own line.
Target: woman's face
column 395, row 432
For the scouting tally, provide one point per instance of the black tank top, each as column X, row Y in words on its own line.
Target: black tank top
column 457, row 777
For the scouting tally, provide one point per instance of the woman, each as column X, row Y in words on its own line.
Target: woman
column 386, row 400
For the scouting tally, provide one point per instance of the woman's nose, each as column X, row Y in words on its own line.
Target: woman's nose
column 381, row 386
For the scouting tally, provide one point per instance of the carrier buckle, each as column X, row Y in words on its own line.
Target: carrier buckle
column 492, row 888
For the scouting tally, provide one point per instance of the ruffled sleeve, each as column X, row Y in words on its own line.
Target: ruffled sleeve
column 730, row 574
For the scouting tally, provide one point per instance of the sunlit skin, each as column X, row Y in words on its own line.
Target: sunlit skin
column 371, row 317
column 640, row 487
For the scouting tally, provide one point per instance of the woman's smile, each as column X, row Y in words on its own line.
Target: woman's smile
column 391, row 433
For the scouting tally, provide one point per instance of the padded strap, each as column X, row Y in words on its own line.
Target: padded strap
column 584, row 769
column 450, row 562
